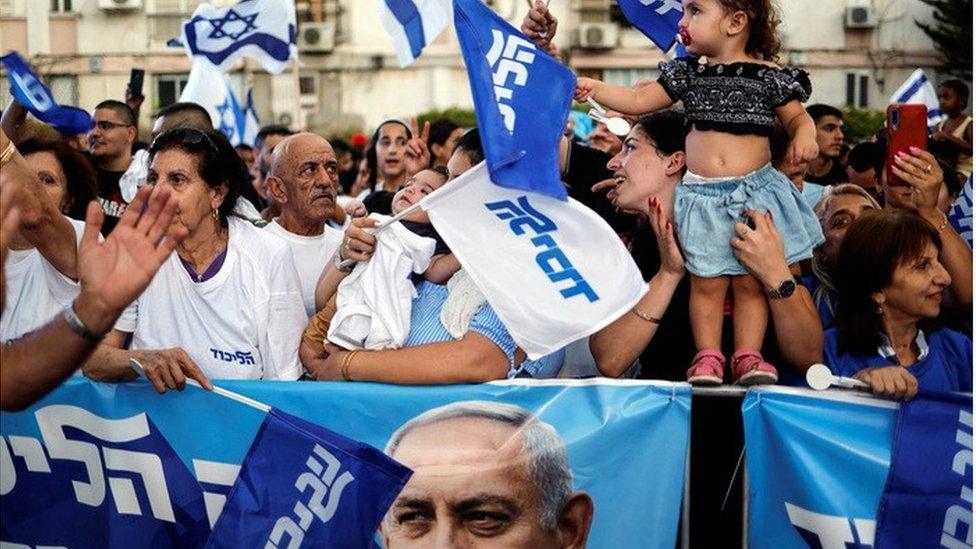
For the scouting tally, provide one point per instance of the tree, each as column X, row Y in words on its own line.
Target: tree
column 952, row 34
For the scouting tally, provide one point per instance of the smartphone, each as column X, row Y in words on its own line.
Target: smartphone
column 907, row 126
column 135, row 81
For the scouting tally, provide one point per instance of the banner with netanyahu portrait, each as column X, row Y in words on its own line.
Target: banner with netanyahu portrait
column 97, row 465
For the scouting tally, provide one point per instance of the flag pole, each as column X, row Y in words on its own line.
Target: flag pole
column 237, row 397
column 298, row 95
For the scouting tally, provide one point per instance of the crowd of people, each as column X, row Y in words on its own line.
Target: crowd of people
column 761, row 231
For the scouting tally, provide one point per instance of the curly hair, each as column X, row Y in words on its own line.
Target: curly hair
column 764, row 41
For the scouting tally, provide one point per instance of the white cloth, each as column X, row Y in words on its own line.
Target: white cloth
column 373, row 302
column 135, row 175
column 553, row 271
column 36, row 291
column 464, row 300
column 311, row 254
column 244, row 323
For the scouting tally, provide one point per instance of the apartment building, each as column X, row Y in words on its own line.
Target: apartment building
column 857, row 51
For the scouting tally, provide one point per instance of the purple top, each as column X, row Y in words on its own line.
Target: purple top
column 212, row 270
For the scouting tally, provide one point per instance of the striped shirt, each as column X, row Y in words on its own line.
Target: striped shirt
column 426, row 327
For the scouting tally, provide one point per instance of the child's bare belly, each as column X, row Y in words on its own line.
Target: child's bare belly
column 718, row 154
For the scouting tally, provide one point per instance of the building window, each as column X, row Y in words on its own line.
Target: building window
column 64, row 88
column 60, row 6
column 857, row 90
column 169, row 87
column 167, row 18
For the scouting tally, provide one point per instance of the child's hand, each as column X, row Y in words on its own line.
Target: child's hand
column 417, row 156
column 585, row 88
column 802, row 149
column 355, row 209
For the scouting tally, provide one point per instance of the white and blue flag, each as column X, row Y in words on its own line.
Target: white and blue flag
column 961, row 214
column 212, row 90
column 656, row 19
column 552, row 269
column 521, row 100
column 30, row 92
column 413, row 24
column 264, row 30
column 918, row 89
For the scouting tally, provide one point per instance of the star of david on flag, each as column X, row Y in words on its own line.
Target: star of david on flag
column 212, row 90
column 264, row 30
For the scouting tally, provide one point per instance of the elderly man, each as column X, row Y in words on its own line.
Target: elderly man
column 485, row 475
column 303, row 179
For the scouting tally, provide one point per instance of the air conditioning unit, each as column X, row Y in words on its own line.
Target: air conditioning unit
column 119, row 5
column 316, row 37
column 597, row 35
column 860, row 14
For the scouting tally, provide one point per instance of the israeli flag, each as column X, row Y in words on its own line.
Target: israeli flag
column 552, row 270
column 251, row 121
column 521, row 100
column 413, row 24
column 961, row 214
column 656, row 19
column 212, row 90
column 30, row 92
column 918, row 89
column 264, row 30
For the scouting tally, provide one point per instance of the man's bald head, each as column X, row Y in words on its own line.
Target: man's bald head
column 182, row 115
column 303, row 178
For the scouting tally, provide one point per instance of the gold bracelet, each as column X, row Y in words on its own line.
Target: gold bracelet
column 8, row 152
column 645, row 316
column 346, row 363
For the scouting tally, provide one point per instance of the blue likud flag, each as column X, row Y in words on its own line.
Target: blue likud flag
column 30, row 92
column 264, row 30
column 101, row 483
column 413, row 24
column 521, row 100
column 961, row 214
column 657, row 19
column 304, row 485
column 928, row 500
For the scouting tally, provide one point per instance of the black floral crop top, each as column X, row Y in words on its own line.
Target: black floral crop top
column 738, row 98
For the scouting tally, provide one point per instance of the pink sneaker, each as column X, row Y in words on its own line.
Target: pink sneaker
column 749, row 368
column 707, row 368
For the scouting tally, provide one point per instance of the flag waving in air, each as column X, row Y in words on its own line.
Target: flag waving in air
column 918, row 89
column 521, row 99
column 263, row 30
column 211, row 89
column 30, row 92
column 657, row 19
column 413, row 24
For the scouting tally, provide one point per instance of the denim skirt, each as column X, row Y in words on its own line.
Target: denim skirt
column 706, row 211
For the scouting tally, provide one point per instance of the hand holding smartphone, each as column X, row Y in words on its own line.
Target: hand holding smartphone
column 906, row 126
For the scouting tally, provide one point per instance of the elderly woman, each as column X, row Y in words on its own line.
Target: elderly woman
column 657, row 331
column 837, row 209
column 430, row 354
column 227, row 304
column 891, row 286
column 42, row 268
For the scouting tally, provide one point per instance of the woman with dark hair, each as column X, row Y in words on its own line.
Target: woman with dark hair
column 227, row 304
column 891, row 287
column 42, row 269
column 387, row 166
column 444, row 135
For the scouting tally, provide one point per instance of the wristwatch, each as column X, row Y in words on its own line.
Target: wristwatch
column 784, row 290
column 342, row 265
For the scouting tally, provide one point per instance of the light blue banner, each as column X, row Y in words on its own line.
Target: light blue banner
column 626, row 443
column 817, row 466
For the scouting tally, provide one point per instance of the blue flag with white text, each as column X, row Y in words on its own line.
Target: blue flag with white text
column 521, row 98
column 121, row 475
column 30, row 92
column 657, row 19
column 304, row 483
column 927, row 500
column 264, row 30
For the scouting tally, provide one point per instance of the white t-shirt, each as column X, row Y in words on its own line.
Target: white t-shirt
column 245, row 322
column 36, row 291
column 311, row 254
